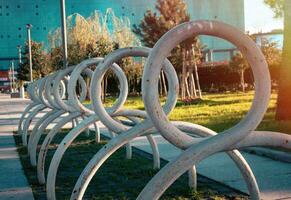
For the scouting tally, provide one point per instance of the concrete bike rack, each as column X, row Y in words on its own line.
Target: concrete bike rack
column 42, row 123
column 42, row 103
column 194, row 139
column 27, row 110
column 239, row 136
column 37, row 109
column 59, row 109
column 125, row 134
column 111, row 147
column 88, row 121
column 74, row 113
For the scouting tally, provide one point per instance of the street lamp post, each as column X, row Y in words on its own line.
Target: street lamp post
column 64, row 33
column 28, row 27
column 21, row 88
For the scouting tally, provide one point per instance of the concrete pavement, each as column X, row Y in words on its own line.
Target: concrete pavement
column 273, row 177
column 13, row 182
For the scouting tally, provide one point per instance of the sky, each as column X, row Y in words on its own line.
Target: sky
column 259, row 17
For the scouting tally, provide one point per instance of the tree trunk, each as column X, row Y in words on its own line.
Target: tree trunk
column 105, row 87
column 188, row 64
column 183, row 92
column 197, row 80
column 242, row 80
column 88, row 88
column 102, row 91
column 283, row 102
column 164, row 83
column 161, row 86
column 193, row 86
column 187, row 86
column 193, row 91
column 196, row 73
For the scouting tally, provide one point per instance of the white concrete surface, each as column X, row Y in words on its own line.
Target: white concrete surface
column 13, row 182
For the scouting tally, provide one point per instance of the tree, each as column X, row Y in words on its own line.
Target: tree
column 56, row 58
column 95, row 36
column 272, row 53
column 40, row 66
column 154, row 26
column 273, row 57
column 277, row 6
column 239, row 64
column 282, row 8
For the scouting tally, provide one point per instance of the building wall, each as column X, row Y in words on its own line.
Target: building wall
column 229, row 11
column 44, row 16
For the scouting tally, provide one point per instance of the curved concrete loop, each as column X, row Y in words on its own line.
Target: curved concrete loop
column 196, row 152
column 90, row 120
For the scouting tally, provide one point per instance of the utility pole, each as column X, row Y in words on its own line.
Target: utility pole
column 28, row 27
column 64, row 32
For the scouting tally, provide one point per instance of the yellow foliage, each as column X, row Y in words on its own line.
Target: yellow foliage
column 84, row 31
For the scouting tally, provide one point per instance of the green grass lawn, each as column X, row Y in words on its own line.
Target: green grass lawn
column 218, row 111
column 118, row 178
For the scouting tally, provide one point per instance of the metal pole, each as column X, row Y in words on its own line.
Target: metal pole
column 29, row 26
column 64, row 33
column 10, row 80
column 21, row 88
column 13, row 83
column 19, row 53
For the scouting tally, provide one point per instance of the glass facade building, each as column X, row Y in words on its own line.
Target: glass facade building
column 44, row 15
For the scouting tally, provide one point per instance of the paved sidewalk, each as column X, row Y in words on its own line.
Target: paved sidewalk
column 13, row 182
column 274, row 177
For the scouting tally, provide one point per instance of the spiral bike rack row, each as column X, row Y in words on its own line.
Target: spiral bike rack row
column 47, row 93
column 193, row 139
